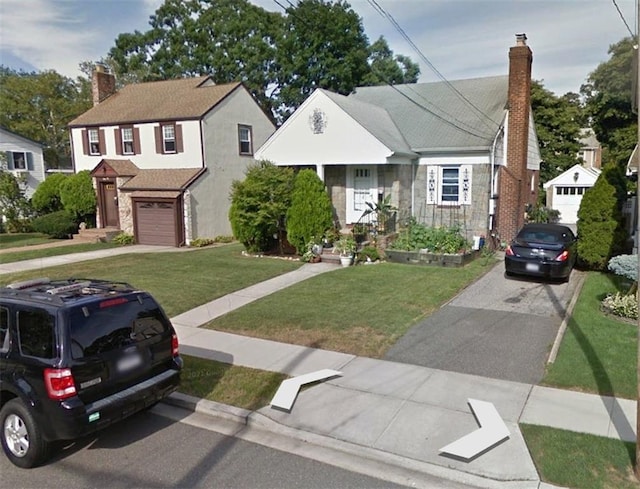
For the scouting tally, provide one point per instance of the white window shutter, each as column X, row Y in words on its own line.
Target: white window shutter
column 433, row 177
column 466, row 172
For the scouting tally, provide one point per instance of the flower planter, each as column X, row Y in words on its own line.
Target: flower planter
column 427, row 258
column 346, row 261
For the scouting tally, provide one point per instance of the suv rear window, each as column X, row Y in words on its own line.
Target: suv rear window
column 112, row 324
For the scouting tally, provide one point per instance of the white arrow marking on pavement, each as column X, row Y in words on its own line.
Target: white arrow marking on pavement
column 288, row 390
column 491, row 432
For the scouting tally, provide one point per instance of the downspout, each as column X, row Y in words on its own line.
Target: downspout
column 492, row 158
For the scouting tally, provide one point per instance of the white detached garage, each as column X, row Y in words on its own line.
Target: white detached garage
column 564, row 193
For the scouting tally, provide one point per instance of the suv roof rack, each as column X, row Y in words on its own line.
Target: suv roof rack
column 64, row 290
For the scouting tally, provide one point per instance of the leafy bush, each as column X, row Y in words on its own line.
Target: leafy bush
column 78, row 196
column 60, row 224
column 540, row 213
column 437, row 240
column 310, row 213
column 625, row 266
column 623, row 305
column 223, row 239
column 14, row 206
column 124, row 239
column 600, row 228
column 46, row 198
column 200, row 242
column 259, row 204
column 368, row 254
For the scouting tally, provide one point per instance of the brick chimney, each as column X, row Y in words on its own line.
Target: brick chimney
column 517, row 185
column 103, row 84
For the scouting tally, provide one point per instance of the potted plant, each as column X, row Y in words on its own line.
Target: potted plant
column 314, row 250
column 346, row 248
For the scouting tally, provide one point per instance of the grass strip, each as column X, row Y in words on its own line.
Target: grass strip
column 29, row 254
column 580, row 460
column 598, row 353
column 242, row 387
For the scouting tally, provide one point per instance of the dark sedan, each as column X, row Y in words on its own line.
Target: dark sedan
column 542, row 250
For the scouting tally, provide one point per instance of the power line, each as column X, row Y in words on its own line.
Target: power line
column 406, row 37
column 623, row 19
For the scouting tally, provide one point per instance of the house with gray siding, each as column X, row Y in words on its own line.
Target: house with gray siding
column 163, row 155
column 454, row 153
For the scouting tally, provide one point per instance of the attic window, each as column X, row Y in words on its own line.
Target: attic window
column 244, row 140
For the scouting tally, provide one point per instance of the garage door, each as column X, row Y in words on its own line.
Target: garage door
column 155, row 223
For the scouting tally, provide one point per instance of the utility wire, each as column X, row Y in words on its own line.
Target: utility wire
column 406, row 37
column 623, row 19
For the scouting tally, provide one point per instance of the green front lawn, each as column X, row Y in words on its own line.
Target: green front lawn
column 598, row 353
column 361, row 310
column 23, row 239
column 580, row 460
column 179, row 280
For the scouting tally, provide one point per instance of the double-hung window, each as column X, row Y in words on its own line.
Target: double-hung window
column 94, row 141
column 450, row 185
column 244, row 140
column 19, row 160
column 127, row 140
column 169, row 138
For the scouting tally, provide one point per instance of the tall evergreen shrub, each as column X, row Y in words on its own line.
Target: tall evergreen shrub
column 600, row 229
column 310, row 213
column 259, row 205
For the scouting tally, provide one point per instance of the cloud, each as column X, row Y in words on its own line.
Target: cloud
column 49, row 35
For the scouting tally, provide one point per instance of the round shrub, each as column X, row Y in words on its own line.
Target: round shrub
column 310, row 213
column 60, row 224
column 46, row 198
column 78, row 196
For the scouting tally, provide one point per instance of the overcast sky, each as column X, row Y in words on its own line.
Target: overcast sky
column 461, row 38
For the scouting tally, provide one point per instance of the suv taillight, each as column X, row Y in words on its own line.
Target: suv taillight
column 175, row 347
column 59, row 383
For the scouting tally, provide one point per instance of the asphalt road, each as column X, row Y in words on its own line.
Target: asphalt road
column 498, row 327
column 151, row 450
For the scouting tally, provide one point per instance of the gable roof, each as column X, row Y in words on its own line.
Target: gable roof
column 120, row 168
column 566, row 177
column 374, row 119
column 15, row 134
column 184, row 98
column 434, row 117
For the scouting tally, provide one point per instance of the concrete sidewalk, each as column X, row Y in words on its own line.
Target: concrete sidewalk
column 52, row 261
column 394, row 414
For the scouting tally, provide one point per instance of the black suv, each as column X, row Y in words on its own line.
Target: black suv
column 77, row 355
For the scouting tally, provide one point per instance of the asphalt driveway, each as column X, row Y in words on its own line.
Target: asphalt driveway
column 497, row 327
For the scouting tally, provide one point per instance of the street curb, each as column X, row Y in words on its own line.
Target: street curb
column 405, row 469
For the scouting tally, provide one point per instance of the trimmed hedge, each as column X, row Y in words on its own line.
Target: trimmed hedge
column 59, row 224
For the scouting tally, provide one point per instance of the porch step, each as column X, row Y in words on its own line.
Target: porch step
column 96, row 235
column 328, row 256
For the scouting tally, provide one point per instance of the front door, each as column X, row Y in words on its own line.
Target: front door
column 109, row 204
column 362, row 187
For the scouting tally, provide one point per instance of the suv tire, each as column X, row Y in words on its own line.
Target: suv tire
column 21, row 437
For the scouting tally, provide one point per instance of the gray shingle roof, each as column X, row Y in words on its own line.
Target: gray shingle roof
column 184, row 98
column 165, row 179
column 433, row 117
column 375, row 119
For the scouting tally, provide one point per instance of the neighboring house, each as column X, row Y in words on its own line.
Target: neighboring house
column 564, row 193
column 449, row 153
column 163, row 155
column 590, row 148
column 23, row 158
